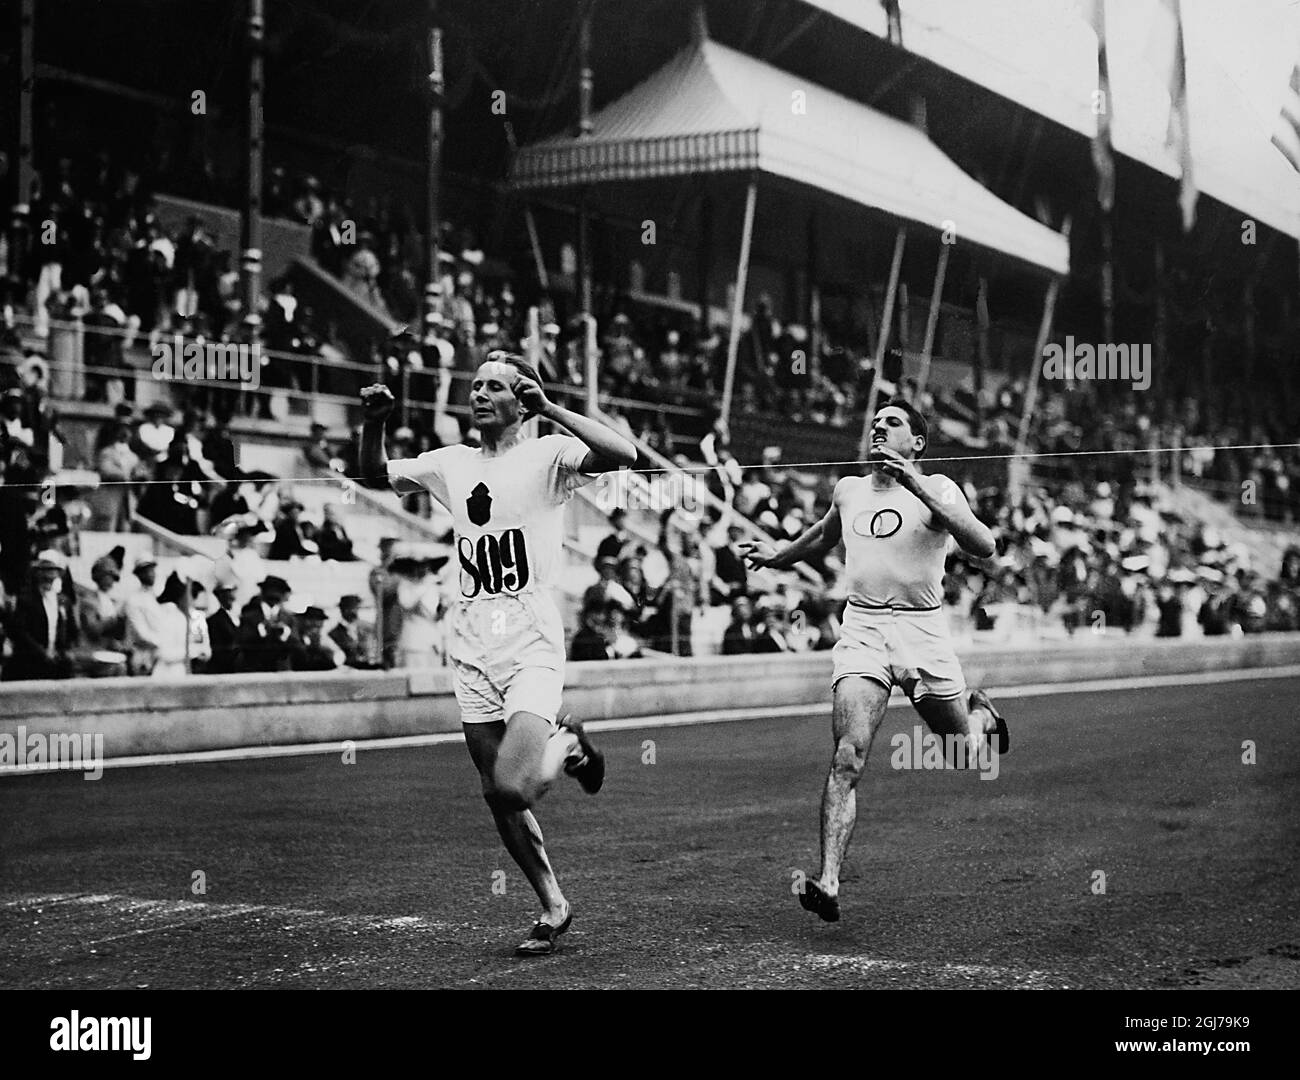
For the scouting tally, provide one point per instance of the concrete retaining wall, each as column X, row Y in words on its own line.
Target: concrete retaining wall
column 144, row 716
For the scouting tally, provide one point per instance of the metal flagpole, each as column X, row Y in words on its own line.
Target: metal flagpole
column 26, row 170
column 1161, row 344
column 981, row 350
column 932, row 320
column 589, row 372
column 536, row 244
column 251, row 259
column 433, row 168
column 738, row 300
column 882, row 341
column 1036, row 361
column 586, row 83
column 531, row 428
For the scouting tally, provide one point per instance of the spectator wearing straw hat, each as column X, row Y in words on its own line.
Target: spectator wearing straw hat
column 101, row 612
column 43, row 625
column 144, row 620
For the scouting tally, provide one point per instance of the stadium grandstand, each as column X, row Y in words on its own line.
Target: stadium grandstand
column 730, row 230
column 711, row 136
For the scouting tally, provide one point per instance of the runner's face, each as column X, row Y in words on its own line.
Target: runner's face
column 491, row 401
column 892, row 428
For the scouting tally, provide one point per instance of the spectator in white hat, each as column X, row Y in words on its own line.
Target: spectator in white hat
column 145, row 624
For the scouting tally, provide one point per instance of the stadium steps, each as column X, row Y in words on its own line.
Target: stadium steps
column 313, row 582
column 802, row 441
column 333, row 300
column 1264, row 542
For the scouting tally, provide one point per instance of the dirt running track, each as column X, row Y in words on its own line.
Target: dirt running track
column 381, row 873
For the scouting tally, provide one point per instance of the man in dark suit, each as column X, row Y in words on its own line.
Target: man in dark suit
column 738, row 638
column 356, row 638
column 219, row 449
column 590, row 643
column 223, row 632
column 731, row 578
column 612, row 546
column 292, row 534
column 332, row 538
column 266, row 628
column 43, row 625
column 772, row 626
column 312, row 649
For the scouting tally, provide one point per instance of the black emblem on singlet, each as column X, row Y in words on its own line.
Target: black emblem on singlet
column 884, row 523
column 479, row 504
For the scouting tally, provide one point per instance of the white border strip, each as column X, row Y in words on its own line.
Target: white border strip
column 717, row 716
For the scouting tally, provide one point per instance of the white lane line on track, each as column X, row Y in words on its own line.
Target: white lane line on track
column 717, row 716
column 111, row 912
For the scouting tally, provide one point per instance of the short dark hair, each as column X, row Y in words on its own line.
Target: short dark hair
column 915, row 420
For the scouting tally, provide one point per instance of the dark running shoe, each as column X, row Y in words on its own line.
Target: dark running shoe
column 811, row 898
column 980, row 700
column 542, row 940
column 588, row 770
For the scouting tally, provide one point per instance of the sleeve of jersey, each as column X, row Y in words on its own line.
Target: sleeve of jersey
column 408, row 475
column 566, row 473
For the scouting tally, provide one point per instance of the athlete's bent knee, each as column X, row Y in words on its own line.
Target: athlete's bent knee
column 513, row 791
column 506, row 800
column 849, row 760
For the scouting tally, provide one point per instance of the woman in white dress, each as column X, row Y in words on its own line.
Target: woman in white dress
column 419, row 595
column 175, row 627
column 241, row 565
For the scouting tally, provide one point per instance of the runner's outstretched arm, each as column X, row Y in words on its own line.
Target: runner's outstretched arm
column 815, row 542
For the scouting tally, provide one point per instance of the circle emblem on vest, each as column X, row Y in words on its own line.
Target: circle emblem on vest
column 884, row 523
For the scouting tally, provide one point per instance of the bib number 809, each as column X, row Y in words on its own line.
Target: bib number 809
column 494, row 564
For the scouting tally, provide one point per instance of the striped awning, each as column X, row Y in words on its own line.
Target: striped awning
column 712, row 109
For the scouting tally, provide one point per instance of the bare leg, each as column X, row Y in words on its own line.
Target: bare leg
column 531, row 757
column 515, row 823
column 950, row 716
column 858, row 710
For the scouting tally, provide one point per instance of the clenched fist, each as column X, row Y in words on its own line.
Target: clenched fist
column 532, row 398
column 377, row 401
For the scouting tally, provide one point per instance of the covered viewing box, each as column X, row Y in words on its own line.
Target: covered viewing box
column 712, row 110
